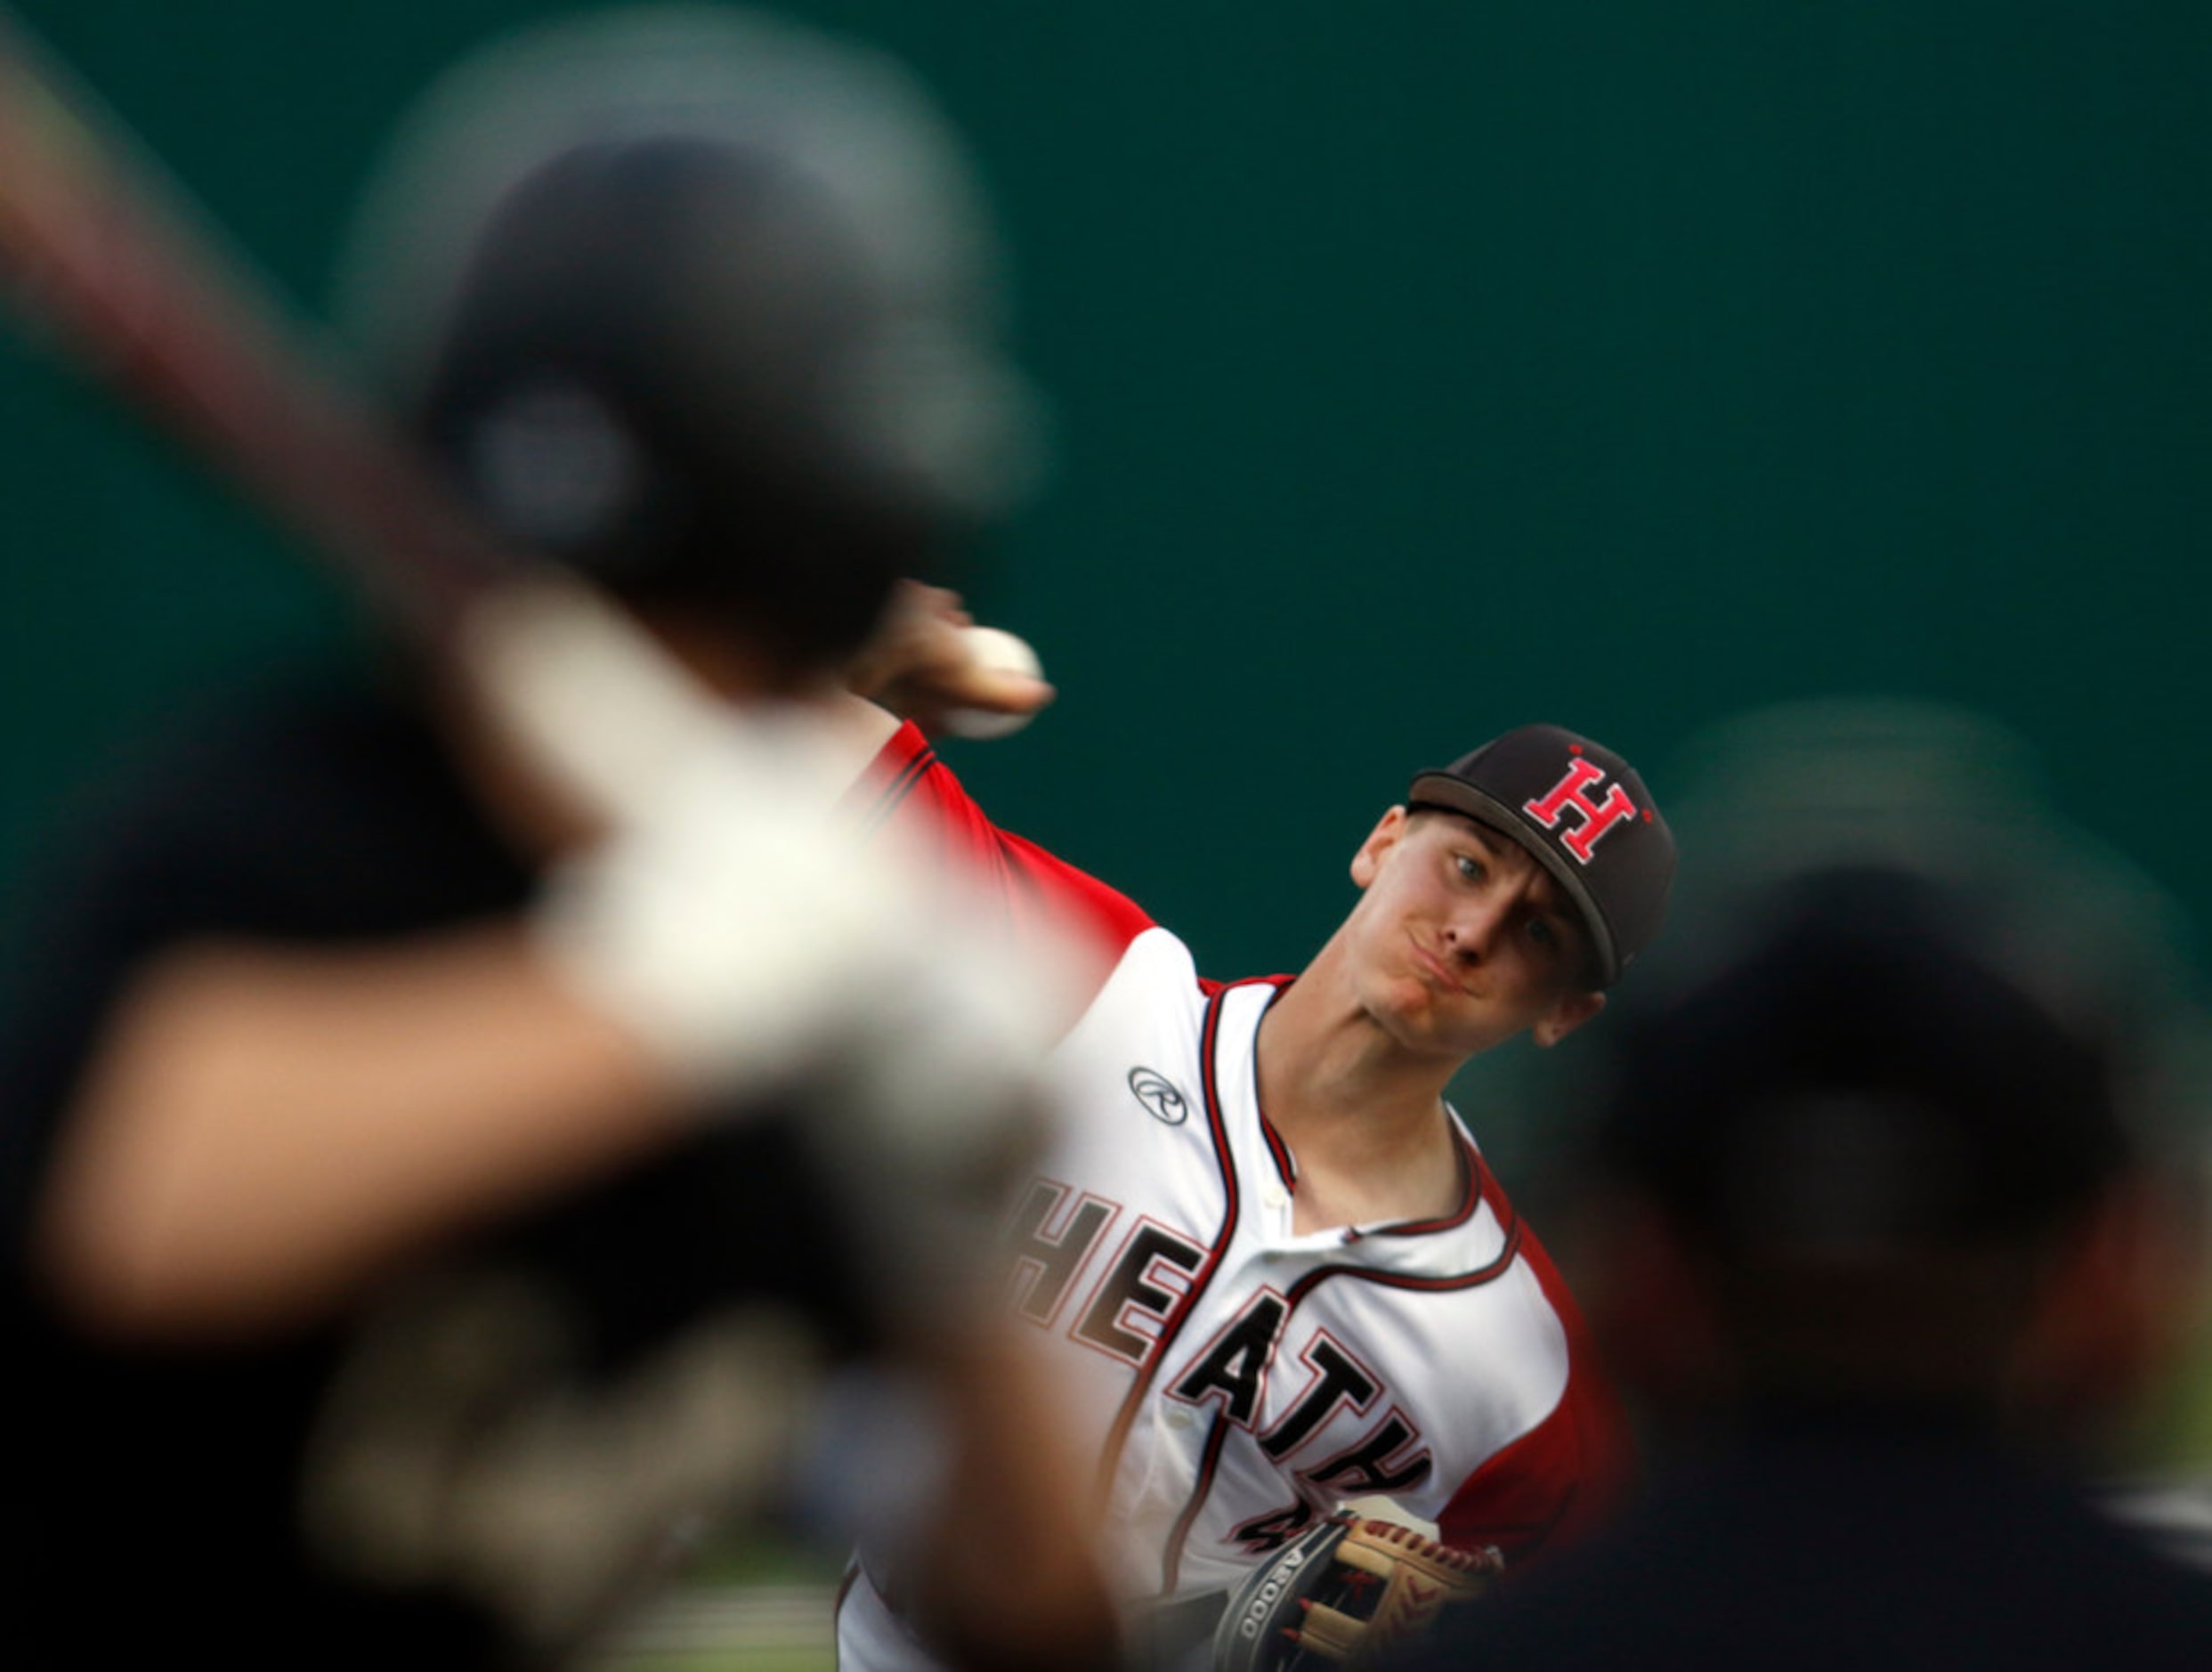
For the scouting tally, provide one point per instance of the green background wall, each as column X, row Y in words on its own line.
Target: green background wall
column 1421, row 369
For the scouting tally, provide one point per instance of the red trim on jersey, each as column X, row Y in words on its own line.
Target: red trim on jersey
column 1565, row 1477
column 1209, row 1039
column 1474, row 1280
column 909, row 788
column 1285, row 1163
column 1476, row 1184
column 1479, row 1186
column 900, row 785
column 1209, row 1055
column 1279, row 1152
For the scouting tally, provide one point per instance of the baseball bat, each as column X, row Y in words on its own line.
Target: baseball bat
column 109, row 256
column 110, row 259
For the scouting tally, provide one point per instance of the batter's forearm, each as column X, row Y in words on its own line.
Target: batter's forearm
column 264, row 1128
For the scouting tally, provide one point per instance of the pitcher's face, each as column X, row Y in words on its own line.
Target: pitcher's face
column 1462, row 939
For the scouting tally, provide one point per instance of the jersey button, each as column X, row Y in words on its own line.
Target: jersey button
column 1276, row 1196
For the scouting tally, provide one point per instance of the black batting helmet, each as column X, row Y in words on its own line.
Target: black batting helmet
column 704, row 304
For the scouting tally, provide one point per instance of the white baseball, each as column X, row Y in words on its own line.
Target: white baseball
column 1001, row 652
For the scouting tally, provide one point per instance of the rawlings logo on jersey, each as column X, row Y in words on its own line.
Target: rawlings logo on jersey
column 1159, row 1095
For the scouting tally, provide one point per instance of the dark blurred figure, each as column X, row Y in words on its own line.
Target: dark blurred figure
column 431, row 1192
column 1881, row 1241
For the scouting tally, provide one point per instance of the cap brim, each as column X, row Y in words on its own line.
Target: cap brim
column 1455, row 794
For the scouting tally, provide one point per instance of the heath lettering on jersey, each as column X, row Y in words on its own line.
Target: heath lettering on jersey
column 1316, row 1410
column 1051, row 1242
column 1234, row 1366
column 1387, row 1459
column 1133, row 1303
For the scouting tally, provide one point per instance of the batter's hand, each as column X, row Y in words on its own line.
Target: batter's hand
column 919, row 665
column 761, row 953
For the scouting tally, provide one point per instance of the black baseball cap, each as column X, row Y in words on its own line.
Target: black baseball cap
column 1584, row 814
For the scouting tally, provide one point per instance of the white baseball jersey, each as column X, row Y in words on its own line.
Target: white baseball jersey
column 1238, row 1380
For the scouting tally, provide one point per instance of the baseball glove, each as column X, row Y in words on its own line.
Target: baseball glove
column 1342, row 1593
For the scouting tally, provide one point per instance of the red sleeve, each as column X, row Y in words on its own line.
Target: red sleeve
column 1568, row 1476
column 909, row 790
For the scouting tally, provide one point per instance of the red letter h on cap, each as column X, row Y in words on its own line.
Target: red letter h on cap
column 1597, row 816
